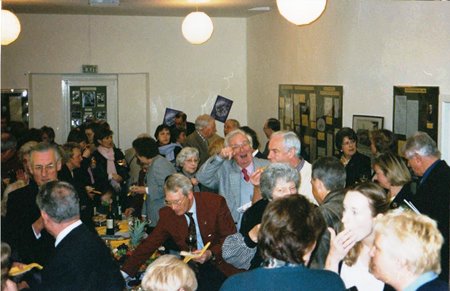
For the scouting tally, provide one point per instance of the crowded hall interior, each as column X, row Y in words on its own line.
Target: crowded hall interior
column 225, row 145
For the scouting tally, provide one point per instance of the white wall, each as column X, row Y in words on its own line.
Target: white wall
column 367, row 46
column 182, row 76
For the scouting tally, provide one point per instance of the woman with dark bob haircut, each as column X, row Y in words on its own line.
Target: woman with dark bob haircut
column 289, row 231
column 166, row 147
column 357, row 166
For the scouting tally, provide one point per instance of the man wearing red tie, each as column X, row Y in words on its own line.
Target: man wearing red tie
column 229, row 171
column 212, row 224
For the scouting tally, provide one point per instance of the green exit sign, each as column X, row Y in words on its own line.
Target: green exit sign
column 90, row 69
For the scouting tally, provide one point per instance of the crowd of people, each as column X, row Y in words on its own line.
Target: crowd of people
column 251, row 219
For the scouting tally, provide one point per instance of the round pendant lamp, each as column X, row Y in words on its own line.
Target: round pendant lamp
column 301, row 12
column 197, row 27
column 10, row 27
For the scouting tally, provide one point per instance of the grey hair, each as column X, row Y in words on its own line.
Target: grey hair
column 202, row 121
column 235, row 132
column 185, row 154
column 44, row 147
column 420, row 143
column 330, row 171
column 176, row 182
column 290, row 140
column 59, row 200
column 273, row 174
column 26, row 148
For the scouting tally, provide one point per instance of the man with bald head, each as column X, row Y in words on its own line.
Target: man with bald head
column 230, row 125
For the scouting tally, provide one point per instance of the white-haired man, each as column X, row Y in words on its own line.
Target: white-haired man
column 433, row 192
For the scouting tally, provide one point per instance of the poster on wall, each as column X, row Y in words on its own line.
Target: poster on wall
column 415, row 109
column 169, row 116
column 87, row 103
column 221, row 108
column 315, row 113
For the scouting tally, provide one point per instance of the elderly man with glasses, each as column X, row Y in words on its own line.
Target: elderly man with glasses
column 203, row 214
column 23, row 227
column 230, row 171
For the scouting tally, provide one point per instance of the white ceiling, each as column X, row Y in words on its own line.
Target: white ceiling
column 214, row 8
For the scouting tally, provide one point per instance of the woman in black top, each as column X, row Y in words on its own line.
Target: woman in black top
column 357, row 165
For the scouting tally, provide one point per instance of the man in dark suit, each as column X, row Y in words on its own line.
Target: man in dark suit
column 272, row 125
column 213, row 223
column 22, row 227
column 433, row 192
column 81, row 260
column 182, row 123
column 205, row 128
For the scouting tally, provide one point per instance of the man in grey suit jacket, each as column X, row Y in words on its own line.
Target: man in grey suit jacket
column 225, row 172
column 205, row 128
column 158, row 169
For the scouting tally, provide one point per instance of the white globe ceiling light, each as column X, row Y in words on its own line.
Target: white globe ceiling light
column 10, row 27
column 197, row 27
column 301, row 12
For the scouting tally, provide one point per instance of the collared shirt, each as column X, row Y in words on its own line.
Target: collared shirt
column 66, row 231
column 193, row 209
column 300, row 165
column 428, row 171
column 421, row 280
column 201, row 136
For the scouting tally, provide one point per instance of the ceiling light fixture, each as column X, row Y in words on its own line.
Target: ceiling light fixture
column 197, row 27
column 301, row 12
column 10, row 27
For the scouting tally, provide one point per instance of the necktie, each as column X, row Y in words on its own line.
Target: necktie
column 192, row 233
column 246, row 176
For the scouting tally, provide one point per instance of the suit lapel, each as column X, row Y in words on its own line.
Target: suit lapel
column 204, row 218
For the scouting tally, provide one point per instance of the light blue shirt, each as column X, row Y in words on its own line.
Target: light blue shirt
column 193, row 209
column 422, row 279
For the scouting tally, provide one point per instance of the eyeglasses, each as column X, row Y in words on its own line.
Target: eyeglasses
column 243, row 145
column 48, row 168
column 175, row 202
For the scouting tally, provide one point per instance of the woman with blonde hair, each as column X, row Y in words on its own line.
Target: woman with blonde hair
column 392, row 174
column 406, row 252
column 349, row 253
column 168, row 273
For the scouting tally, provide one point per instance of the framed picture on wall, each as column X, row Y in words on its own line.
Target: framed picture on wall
column 367, row 122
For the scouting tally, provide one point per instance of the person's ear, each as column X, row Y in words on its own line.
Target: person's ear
column 58, row 165
column 308, row 252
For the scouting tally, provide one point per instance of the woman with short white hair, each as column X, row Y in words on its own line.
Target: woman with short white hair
column 406, row 252
column 187, row 164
